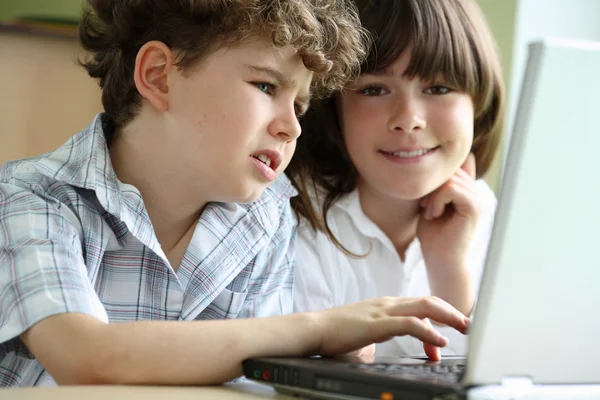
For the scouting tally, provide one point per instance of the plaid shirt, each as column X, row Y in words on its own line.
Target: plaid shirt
column 75, row 239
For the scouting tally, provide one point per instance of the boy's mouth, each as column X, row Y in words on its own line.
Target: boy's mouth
column 271, row 158
column 264, row 159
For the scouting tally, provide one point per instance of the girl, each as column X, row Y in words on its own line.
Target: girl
column 393, row 163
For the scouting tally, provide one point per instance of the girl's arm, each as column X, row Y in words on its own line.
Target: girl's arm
column 476, row 254
column 446, row 232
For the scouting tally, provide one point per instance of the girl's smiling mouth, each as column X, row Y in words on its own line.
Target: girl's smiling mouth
column 409, row 155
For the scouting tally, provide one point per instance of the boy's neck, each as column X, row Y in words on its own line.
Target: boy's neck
column 398, row 219
column 139, row 159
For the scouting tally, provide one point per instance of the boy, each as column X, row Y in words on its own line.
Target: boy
column 168, row 210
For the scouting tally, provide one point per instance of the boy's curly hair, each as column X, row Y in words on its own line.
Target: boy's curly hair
column 326, row 33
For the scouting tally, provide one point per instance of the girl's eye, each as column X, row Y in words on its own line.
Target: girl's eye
column 437, row 90
column 373, row 91
column 265, row 87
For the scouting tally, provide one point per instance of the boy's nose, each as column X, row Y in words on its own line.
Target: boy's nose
column 286, row 126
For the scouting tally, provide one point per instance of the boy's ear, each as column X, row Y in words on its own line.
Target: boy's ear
column 153, row 64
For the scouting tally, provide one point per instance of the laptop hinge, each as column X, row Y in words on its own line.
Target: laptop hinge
column 513, row 382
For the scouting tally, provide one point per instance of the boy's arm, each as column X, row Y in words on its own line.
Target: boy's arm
column 47, row 300
column 79, row 349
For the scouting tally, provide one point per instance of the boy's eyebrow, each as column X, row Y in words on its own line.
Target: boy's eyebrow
column 276, row 75
column 280, row 79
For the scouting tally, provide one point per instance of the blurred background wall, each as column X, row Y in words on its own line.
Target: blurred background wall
column 47, row 97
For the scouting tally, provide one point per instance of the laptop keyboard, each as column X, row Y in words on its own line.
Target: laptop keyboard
column 451, row 373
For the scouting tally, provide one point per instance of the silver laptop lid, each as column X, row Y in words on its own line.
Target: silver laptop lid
column 538, row 313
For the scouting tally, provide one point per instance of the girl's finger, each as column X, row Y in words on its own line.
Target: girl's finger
column 415, row 327
column 431, row 351
column 432, row 308
column 456, row 191
column 436, row 205
column 469, row 166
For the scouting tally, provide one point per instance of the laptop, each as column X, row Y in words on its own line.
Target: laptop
column 536, row 327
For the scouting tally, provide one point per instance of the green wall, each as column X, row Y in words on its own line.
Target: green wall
column 46, row 8
column 501, row 16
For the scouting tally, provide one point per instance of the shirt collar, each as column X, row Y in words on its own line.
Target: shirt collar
column 84, row 162
column 350, row 204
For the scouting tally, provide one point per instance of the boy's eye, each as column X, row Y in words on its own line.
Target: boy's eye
column 265, row 87
column 438, row 89
column 373, row 91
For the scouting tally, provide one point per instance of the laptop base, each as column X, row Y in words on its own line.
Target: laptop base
column 534, row 392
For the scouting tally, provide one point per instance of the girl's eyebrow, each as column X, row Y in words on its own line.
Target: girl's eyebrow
column 384, row 73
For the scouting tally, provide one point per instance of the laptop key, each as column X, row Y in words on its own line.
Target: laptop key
column 449, row 373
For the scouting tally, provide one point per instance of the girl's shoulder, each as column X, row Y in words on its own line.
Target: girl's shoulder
column 343, row 217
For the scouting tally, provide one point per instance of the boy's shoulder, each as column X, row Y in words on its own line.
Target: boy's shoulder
column 73, row 184
column 279, row 192
column 63, row 173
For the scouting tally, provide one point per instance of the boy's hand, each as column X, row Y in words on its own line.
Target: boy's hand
column 367, row 351
column 449, row 219
column 79, row 349
column 354, row 326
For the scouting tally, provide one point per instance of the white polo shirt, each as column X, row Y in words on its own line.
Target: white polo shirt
column 325, row 277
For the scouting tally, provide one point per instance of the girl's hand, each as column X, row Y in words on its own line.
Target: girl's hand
column 432, row 351
column 449, row 219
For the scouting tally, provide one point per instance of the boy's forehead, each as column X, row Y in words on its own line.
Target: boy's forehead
column 284, row 61
column 260, row 44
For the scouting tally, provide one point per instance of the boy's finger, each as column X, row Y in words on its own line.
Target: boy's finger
column 469, row 166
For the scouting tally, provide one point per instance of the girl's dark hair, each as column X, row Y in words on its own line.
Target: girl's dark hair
column 326, row 33
column 448, row 38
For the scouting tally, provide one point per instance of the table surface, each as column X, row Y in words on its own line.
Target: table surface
column 232, row 391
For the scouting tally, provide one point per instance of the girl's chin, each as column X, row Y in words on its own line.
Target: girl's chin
column 412, row 190
column 406, row 194
column 407, row 190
